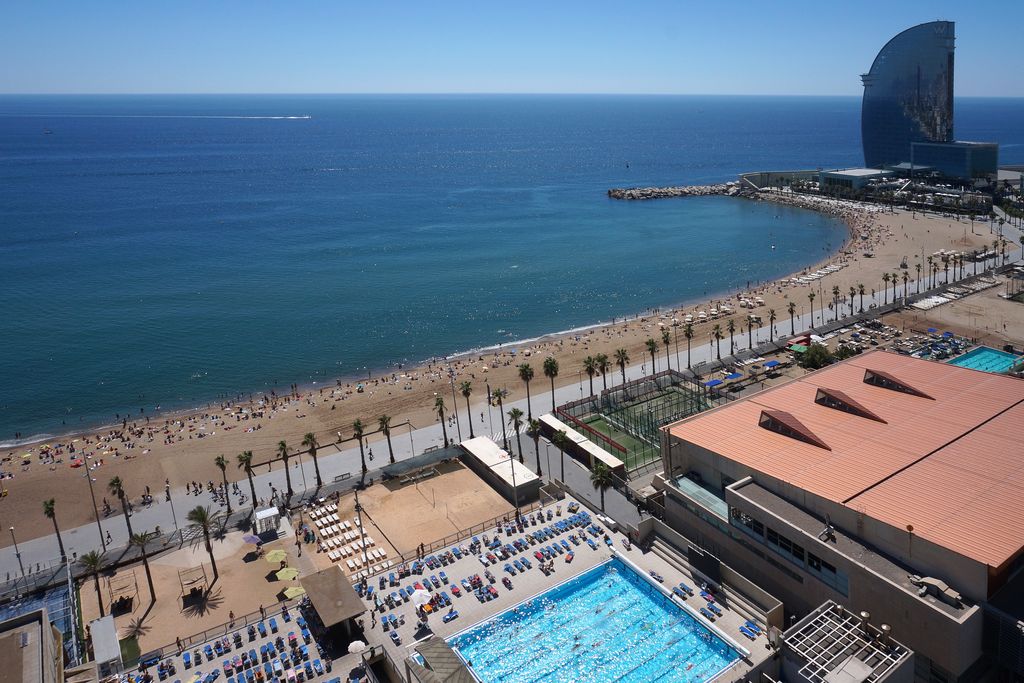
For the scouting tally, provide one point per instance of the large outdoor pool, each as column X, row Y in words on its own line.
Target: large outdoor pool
column 608, row 624
column 987, row 359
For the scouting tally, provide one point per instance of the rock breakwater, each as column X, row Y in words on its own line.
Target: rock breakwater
column 729, row 189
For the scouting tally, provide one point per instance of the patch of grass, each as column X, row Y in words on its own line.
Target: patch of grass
column 130, row 651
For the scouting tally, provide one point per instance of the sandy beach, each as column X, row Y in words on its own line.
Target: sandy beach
column 181, row 448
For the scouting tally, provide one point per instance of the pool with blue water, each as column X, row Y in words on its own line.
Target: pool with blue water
column 987, row 359
column 608, row 624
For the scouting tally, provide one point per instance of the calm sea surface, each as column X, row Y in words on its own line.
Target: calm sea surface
column 170, row 250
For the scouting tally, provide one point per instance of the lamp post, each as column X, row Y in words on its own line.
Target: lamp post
column 92, row 494
column 455, row 403
column 359, row 522
column 17, row 553
column 412, row 446
column 174, row 516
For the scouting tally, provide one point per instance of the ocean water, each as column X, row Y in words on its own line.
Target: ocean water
column 166, row 251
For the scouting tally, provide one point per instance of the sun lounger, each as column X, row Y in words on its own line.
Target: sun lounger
column 686, row 589
column 590, row 542
column 752, row 626
column 748, row 633
column 707, row 615
column 273, row 625
column 714, row 608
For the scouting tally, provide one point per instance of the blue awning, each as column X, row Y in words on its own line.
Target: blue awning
column 771, row 364
column 713, row 383
column 932, row 330
column 733, row 375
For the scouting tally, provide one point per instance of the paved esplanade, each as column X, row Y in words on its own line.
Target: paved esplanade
column 43, row 551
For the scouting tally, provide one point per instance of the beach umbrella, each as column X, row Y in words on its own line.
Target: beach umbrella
column 733, row 375
column 251, row 538
column 275, row 556
column 356, row 646
column 420, row 597
column 293, row 592
column 932, row 330
column 713, row 383
column 771, row 364
column 287, row 574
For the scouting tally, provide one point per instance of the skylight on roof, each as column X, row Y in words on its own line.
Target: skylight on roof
column 878, row 378
column 837, row 400
column 786, row 424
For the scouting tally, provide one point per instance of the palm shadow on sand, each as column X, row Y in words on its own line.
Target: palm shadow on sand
column 202, row 604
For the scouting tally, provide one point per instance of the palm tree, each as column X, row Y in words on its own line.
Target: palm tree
column 860, row 291
column 282, row 450
column 894, row 279
column 93, row 563
column 688, row 333
column 202, row 519
column 835, row 300
column 357, row 432
column 311, row 444
column 499, row 395
column 561, row 441
column 945, row 267
column 551, row 372
column 885, row 279
column 621, row 358
column 906, row 279
column 590, row 367
column 384, row 423
column 439, row 409
column 49, row 509
column 140, row 541
column 771, row 324
column 116, row 488
column 917, row 267
column 716, row 336
column 731, row 327
column 245, row 463
column 525, row 374
column 853, row 293
column 791, row 309
column 750, row 332
column 533, row 431
column 602, row 367
column 515, row 418
column 666, row 338
column 601, row 478
column 222, row 464
column 810, row 297
column 652, row 347
column 931, row 272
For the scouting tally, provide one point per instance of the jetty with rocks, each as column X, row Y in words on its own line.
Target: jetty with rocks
column 730, row 189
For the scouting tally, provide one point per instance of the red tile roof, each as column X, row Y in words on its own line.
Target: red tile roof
column 951, row 465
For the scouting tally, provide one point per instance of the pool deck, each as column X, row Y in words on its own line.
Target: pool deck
column 533, row 582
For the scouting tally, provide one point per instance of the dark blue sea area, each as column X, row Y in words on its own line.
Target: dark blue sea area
column 172, row 250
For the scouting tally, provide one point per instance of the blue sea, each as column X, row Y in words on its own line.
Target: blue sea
column 166, row 251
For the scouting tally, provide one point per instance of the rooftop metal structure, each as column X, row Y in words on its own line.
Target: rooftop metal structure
column 836, row 646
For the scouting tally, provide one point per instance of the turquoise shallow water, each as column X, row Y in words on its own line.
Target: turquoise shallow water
column 172, row 250
column 606, row 625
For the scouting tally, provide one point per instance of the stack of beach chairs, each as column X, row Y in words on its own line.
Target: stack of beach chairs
column 344, row 542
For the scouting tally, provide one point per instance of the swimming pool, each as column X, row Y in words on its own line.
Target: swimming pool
column 608, row 624
column 987, row 359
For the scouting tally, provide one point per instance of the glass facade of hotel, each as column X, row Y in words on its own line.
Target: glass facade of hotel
column 908, row 94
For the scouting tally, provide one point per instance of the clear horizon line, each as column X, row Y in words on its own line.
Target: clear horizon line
column 452, row 93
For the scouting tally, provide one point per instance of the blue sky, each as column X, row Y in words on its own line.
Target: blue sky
column 707, row 47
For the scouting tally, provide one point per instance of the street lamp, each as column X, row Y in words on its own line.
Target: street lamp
column 92, row 493
column 17, row 553
column 167, row 490
column 455, row 403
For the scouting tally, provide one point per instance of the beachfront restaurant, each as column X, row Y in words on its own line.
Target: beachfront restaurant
column 336, row 605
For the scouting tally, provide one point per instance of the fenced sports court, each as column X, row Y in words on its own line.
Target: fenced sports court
column 625, row 419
